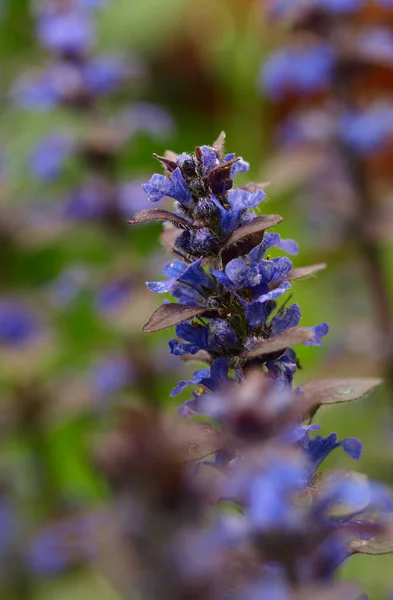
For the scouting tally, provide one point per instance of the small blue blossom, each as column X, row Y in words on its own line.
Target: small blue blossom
column 367, row 130
column 48, row 157
column 114, row 294
column 18, row 325
column 212, row 379
column 302, row 70
column 68, row 31
column 160, row 186
column 193, row 276
column 111, row 376
column 319, row 448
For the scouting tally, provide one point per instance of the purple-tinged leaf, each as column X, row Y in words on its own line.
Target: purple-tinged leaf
column 290, row 337
column 171, row 155
column 332, row 391
column 169, row 164
column 257, row 225
column 301, row 272
column 378, row 542
column 168, row 315
column 328, row 591
column 158, row 214
column 218, row 145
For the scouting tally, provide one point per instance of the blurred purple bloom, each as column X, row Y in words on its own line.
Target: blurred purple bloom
column 367, row 130
column 18, row 325
column 282, row 8
column 67, row 31
column 104, row 75
column 301, row 70
column 85, row 203
column 111, row 376
column 131, row 198
column 113, row 294
column 147, row 117
column 48, row 157
column 62, row 545
column 377, row 44
column 65, row 288
column 8, row 527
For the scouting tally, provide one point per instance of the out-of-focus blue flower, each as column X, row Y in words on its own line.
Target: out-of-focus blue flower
column 62, row 545
column 18, row 325
column 367, row 130
column 111, row 376
column 86, row 203
column 68, row 31
column 48, row 157
column 131, row 198
column 8, row 527
column 282, row 8
column 376, row 43
column 114, row 294
column 65, row 82
column 147, row 117
column 301, row 70
column 66, row 287
column 103, row 75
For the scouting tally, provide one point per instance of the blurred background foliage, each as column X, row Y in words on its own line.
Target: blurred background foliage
column 201, row 62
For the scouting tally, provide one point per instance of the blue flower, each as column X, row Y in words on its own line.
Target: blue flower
column 217, row 337
column 111, row 376
column 18, row 325
column 146, row 117
column 48, row 157
column 176, row 188
column 368, row 130
column 271, row 240
column 62, row 545
column 319, row 331
column 193, row 276
column 65, row 32
column 66, row 287
column 212, row 378
column 113, row 295
column 283, row 369
column 86, row 203
column 319, row 448
column 103, row 75
column 302, row 70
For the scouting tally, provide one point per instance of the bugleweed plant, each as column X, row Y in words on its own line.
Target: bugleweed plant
column 229, row 498
column 329, row 84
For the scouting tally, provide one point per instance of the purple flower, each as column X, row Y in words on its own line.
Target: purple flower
column 65, row 31
column 48, row 157
column 368, row 130
column 113, row 294
column 111, row 376
column 18, row 325
column 301, row 70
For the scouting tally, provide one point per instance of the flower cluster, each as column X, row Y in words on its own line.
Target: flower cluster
column 241, row 491
column 329, row 85
column 75, row 78
column 325, row 56
column 229, row 291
